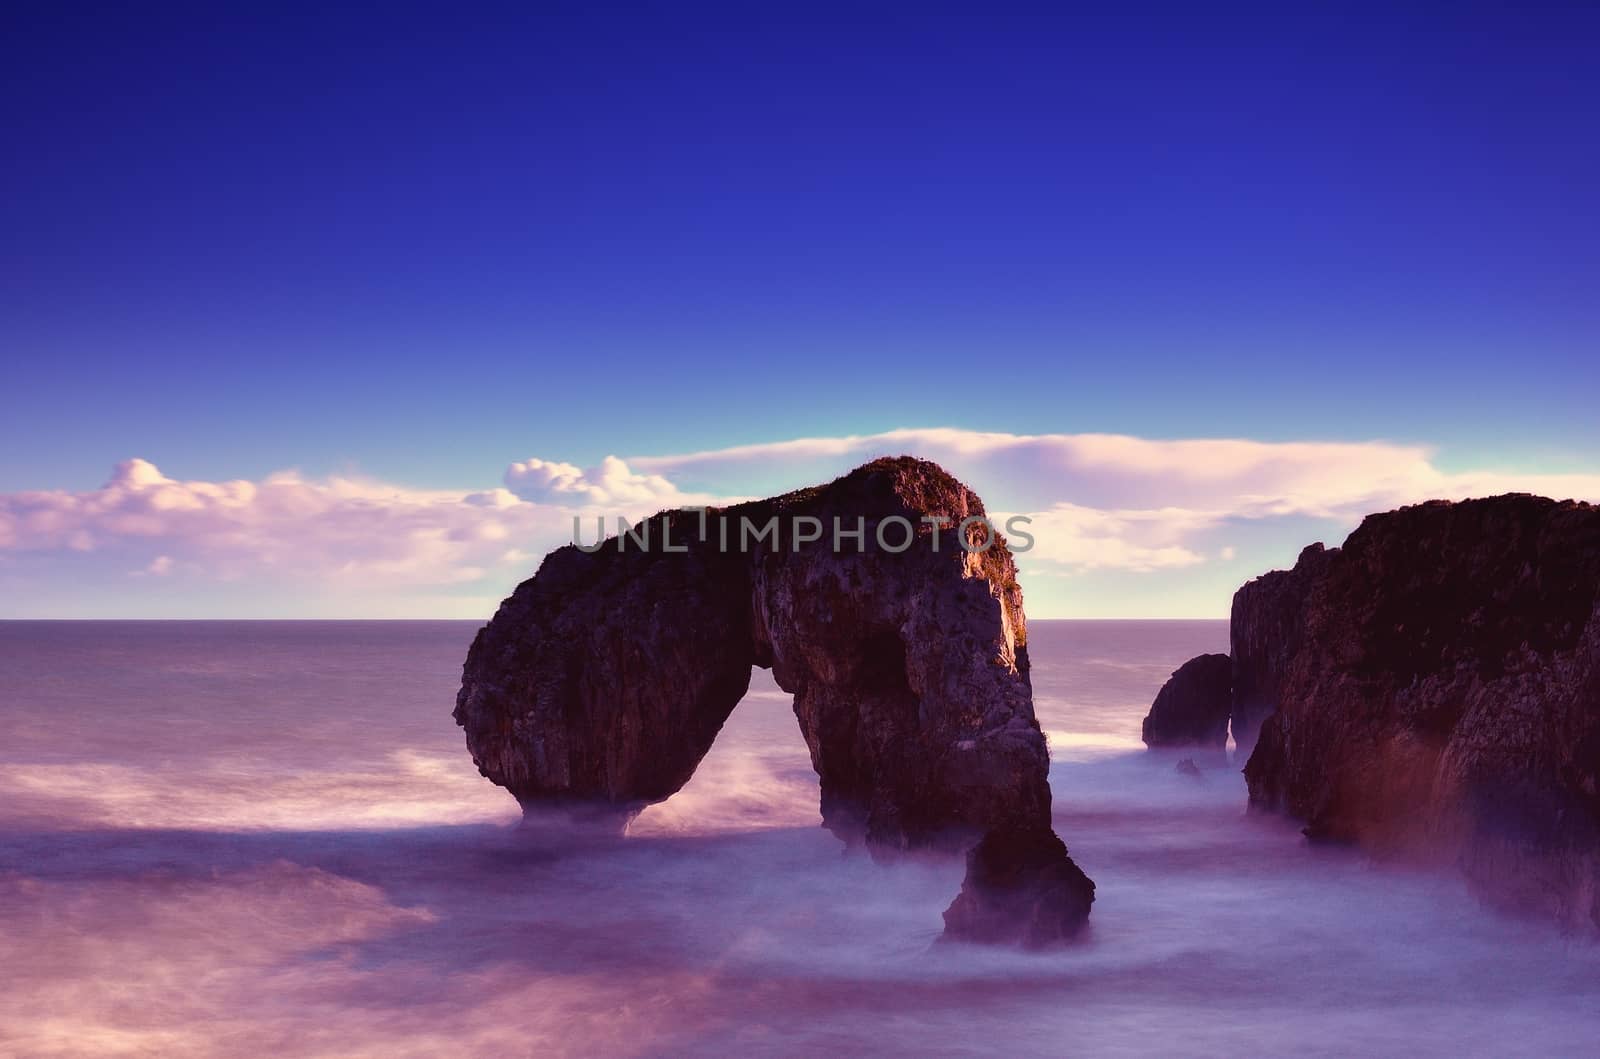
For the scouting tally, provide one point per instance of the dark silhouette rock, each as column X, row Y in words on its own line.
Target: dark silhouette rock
column 603, row 680
column 1022, row 889
column 1437, row 684
column 1192, row 707
column 1187, row 767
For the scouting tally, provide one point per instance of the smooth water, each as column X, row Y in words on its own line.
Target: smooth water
column 267, row 839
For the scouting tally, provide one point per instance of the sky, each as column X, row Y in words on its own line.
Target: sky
column 345, row 313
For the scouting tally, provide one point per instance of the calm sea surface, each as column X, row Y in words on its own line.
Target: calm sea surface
column 267, row 839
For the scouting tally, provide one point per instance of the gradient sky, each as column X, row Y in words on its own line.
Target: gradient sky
column 408, row 248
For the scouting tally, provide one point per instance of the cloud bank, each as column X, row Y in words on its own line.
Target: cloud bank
column 612, row 483
column 1234, row 476
column 1107, row 501
column 1147, row 513
column 355, row 535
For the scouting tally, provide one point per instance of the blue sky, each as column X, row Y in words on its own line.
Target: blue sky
column 414, row 248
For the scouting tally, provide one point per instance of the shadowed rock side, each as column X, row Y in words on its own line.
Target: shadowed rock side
column 1021, row 889
column 602, row 681
column 1438, row 695
column 1264, row 635
column 1192, row 709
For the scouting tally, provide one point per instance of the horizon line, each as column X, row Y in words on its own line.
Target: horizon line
column 1123, row 617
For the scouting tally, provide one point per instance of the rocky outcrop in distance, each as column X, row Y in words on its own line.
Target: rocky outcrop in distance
column 880, row 601
column 1191, row 711
column 1431, row 691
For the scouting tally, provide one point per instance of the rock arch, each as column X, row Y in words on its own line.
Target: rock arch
column 602, row 681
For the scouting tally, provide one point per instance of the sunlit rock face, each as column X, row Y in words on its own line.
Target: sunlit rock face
column 603, row 680
column 1437, row 694
column 1192, row 708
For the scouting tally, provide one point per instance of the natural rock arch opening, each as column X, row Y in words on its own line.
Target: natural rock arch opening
column 757, row 774
column 602, row 682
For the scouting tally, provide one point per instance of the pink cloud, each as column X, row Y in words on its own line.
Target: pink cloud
column 350, row 530
column 613, row 483
column 1098, row 503
column 1108, row 501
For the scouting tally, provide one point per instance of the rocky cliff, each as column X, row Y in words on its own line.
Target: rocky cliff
column 1264, row 634
column 602, row 681
column 1436, row 686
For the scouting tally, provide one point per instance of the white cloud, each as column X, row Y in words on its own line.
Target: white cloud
column 1107, row 501
column 1235, row 476
column 350, row 531
column 1090, row 539
column 610, row 484
column 1101, row 505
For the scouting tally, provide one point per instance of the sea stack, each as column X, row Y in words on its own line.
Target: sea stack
column 881, row 601
column 1191, row 711
column 1432, row 692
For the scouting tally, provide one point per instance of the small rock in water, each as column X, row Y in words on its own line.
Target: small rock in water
column 1021, row 889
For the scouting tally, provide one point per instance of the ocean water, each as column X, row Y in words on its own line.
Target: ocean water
column 248, row 839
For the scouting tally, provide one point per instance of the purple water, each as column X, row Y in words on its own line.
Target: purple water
column 246, row 839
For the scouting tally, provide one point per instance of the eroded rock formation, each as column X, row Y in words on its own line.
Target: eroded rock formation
column 1436, row 683
column 602, row 681
column 1192, row 708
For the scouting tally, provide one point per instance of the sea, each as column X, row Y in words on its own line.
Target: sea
column 267, row 839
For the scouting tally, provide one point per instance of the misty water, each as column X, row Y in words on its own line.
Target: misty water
column 250, row 839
